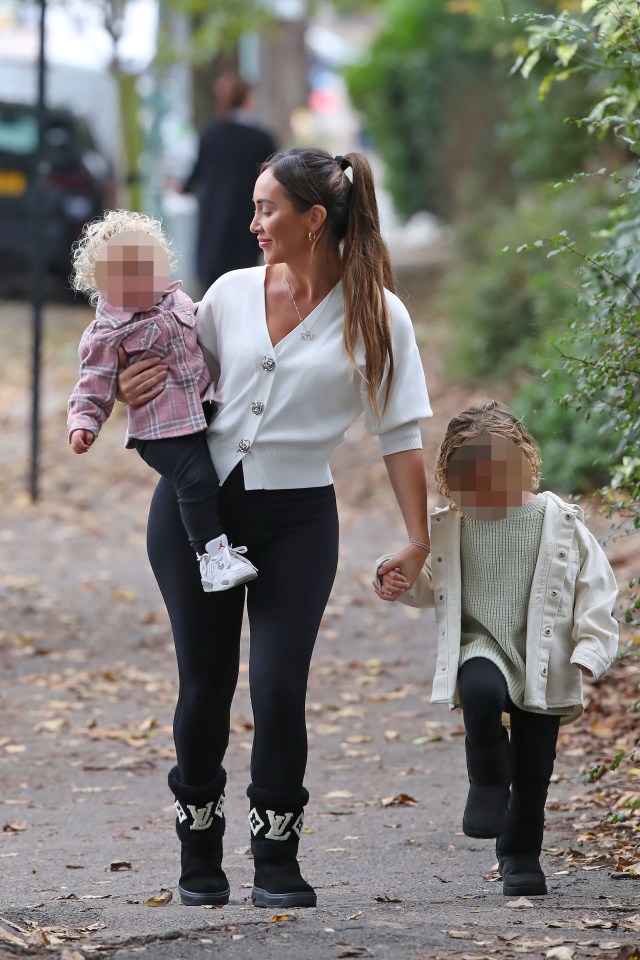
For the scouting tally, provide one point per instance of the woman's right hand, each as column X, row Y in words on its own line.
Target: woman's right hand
column 141, row 381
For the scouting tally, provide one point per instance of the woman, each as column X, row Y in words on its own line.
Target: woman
column 300, row 348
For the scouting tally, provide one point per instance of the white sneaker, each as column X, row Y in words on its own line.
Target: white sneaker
column 222, row 567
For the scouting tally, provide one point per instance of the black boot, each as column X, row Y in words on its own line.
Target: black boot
column 489, row 778
column 200, row 826
column 276, row 824
column 518, row 851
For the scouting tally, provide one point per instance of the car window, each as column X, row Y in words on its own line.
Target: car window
column 18, row 132
column 19, row 135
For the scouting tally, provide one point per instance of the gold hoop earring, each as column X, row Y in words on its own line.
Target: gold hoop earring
column 312, row 237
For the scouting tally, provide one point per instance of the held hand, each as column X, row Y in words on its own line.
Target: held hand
column 81, row 440
column 409, row 561
column 139, row 382
column 391, row 585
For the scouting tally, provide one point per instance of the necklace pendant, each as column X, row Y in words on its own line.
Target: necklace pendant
column 307, row 335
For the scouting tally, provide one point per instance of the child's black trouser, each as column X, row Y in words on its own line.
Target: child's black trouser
column 186, row 463
column 292, row 538
column 485, row 697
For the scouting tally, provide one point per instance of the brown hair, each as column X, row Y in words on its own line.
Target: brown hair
column 231, row 92
column 489, row 416
column 312, row 176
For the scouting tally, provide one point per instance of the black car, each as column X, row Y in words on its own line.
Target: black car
column 79, row 185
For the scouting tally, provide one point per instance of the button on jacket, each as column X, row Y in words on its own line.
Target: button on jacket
column 570, row 619
column 168, row 332
column 283, row 409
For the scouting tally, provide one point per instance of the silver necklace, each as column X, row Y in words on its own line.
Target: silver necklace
column 306, row 334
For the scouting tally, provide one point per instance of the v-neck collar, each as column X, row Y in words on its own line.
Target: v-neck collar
column 299, row 326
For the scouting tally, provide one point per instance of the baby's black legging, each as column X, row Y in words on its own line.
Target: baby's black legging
column 485, row 697
column 292, row 538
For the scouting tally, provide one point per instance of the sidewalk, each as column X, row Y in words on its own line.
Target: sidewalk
column 86, row 701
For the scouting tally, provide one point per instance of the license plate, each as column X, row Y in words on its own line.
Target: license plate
column 13, row 183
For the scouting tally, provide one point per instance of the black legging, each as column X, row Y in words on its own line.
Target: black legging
column 485, row 697
column 292, row 538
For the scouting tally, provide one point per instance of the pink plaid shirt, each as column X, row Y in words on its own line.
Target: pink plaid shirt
column 167, row 331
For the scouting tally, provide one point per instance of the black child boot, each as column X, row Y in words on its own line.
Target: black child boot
column 200, row 826
column 518, row 850
column 489, row 772
column 276, row 824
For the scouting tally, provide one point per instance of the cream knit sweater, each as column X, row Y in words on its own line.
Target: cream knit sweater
column 498, row 560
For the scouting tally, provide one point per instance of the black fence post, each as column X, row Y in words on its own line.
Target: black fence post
column 38, row 265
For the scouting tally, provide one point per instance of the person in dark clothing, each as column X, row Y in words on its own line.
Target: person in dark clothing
column 231, row 150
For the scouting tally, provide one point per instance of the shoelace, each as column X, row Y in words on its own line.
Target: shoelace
column 223, row 558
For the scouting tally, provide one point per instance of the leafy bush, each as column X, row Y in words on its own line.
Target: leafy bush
column 502, row 306
column 438, row 101
column 424, row 72
column 578, row 451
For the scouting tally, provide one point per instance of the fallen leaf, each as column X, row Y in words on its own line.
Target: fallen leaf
column 631, row 923
column 7, row 937
column 400, row 800
column 352, row 951
column 279, row 918
column 387, row 899
column 14, row 827
column 38, row 938
column 560, row 953
column 520, row 903
column 458, row 934
column 119, row 865
column 160, row 899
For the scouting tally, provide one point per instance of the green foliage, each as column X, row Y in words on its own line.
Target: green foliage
column 599, row 45
column 578, row 451
column 439, row 103
column 501, row 306
column 602, row 346
column 426, row 74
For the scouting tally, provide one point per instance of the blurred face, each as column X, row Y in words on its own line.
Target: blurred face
column 282, row 231
column 132, row 271
column 489, row 477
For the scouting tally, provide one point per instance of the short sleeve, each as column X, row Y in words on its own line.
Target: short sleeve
column 408, row 400
column 207, row 331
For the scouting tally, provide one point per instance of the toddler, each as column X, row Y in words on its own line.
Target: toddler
column 524, row 598
column 123, row 261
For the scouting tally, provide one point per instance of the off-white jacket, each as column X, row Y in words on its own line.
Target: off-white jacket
column 570, row 619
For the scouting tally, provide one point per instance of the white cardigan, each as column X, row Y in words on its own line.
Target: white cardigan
column 283, row 410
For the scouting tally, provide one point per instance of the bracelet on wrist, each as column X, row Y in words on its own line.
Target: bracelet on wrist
column 418, row 543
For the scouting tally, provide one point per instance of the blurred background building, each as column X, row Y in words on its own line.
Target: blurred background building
column 139, row 87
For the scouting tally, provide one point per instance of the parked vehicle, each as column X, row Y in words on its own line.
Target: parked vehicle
column 79, row 185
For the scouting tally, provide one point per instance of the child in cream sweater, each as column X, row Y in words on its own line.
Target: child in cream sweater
column 524, row 598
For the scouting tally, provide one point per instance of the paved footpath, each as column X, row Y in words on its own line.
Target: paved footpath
column 87, row 688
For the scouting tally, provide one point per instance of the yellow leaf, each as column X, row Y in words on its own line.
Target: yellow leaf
column 279, row 917
column 160, row 899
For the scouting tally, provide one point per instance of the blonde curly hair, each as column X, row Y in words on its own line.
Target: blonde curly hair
column 96, row 234
column 488, row 416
